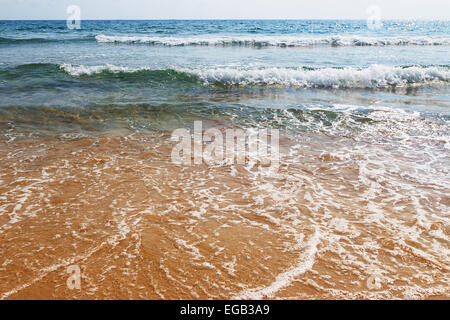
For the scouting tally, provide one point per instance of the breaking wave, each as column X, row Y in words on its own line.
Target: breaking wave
column 277, row 41
column 375, row 76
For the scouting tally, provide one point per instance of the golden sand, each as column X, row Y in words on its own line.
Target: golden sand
column 140, row 227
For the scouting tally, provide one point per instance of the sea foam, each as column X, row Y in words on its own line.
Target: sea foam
column 375, row 76
column 277, row 41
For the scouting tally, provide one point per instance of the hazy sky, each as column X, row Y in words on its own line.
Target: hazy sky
column 225, row 9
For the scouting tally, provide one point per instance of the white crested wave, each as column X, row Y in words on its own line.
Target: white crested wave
column 277, row 41
column 81, row 70
column 375, row 76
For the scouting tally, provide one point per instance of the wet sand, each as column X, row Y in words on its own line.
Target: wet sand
column 140, row 227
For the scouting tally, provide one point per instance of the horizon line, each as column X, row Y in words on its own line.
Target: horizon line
column 238, row 19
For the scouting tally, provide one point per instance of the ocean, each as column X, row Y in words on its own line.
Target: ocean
column 358, row 207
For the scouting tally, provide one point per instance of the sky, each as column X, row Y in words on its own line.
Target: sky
column 225, row 9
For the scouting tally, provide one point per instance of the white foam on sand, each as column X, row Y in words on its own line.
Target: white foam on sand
column 306, row 262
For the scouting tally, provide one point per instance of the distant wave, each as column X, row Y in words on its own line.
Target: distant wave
column 375, row 76
column 42, row 40
column 277, row 41
column 246, row 41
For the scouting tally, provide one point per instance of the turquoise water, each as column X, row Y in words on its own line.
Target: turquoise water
column 230, row 67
